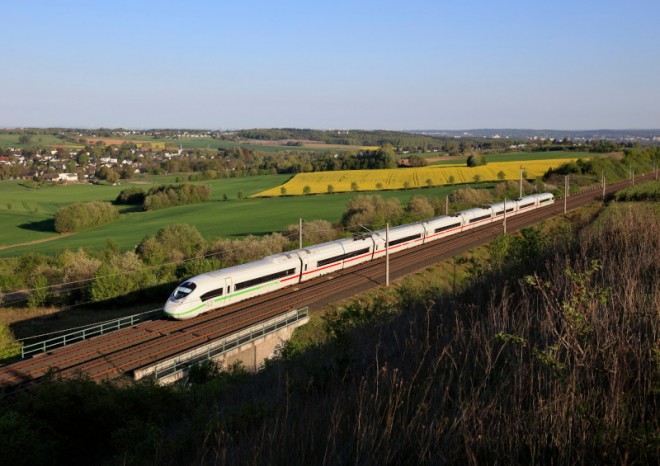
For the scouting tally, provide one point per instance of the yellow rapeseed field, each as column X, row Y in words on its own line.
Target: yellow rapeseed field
column 400, row 178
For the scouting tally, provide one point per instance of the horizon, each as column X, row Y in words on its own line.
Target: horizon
column 90, row 128
column 368, row 65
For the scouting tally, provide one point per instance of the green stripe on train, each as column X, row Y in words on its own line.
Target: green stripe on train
column 222, row 298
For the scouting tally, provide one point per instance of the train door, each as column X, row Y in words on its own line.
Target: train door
column 305, row 268
column 229, row 291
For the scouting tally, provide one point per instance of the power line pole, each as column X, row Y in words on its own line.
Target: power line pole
column 300, row 234
column 387, row 254
column 603, row 180
column 504, row 223
column 521, row 170
column 447, row 205
column 565, row 192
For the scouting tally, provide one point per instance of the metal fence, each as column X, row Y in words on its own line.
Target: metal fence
column 215, row 349
column 87, row 332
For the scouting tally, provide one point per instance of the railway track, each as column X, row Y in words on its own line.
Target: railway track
column 117, row 354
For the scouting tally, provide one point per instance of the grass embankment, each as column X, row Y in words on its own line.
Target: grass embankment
column 548, row 353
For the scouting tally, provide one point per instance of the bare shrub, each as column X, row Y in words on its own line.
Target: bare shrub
column 252, row 248
column 419, row 208
column 314, row 232
column 371, row 210
column 468, row 197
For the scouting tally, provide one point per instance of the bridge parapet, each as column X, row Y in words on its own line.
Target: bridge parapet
column 251, row 347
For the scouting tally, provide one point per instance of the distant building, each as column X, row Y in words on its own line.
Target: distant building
column 67, row 177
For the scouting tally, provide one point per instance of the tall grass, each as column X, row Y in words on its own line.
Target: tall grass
column 559, row 365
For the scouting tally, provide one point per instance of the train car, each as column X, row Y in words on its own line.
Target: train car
column 476, row 217
column 526, row 203
column 439, row 227
column 498, row 209
column 329, row 257
column 545, row 199
column 212, row 290
column 400, row 237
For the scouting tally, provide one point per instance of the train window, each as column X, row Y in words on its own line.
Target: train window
column 545, row 200
column 403, row 240
column 184, row 290
column 526, row 205
column 264, row 279
column 479, row 218
column 510, row 210
column 211, row 294
column 447, row 227
column 341, row 257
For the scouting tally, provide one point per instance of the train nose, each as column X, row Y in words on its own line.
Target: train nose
column 171, row 307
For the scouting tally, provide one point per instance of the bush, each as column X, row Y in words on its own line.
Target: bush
column 476, row 160
column 173, row 195
column 418, row 208
column 9, row 347
column 171, row 243
column 252, row 248
column 84, row 215
column 371, row 211
column 124, row 274
column 132, row 196
column 314, row 232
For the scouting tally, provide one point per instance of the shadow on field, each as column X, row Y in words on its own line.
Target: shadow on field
column 129, row 209
column 42, row 225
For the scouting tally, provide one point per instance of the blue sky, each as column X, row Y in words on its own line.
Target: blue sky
column 580, row 64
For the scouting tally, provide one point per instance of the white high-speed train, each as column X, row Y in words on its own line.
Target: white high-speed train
column 219, row 288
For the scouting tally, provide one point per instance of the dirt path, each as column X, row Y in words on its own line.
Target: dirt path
column 62, row 235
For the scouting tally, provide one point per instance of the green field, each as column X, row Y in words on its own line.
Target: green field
column 26, row 214
column 232, row 218
column 11, row 140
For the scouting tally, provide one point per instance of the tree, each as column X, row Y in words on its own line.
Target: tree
column 171, row 243
column 476, row 178
column 354, row 186
column 429, row 182
column 419, row 208
column 331, row 189
column 82, row 215
column 38, row 293
column 282, row 191
column 9, row 347
column 451, row 179
column 406, row 185
column 307, row 190
column 371, row 210
column 416, row 160
column 476, row 160
column 501, row 175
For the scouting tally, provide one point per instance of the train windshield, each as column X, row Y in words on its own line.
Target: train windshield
column 184, row 290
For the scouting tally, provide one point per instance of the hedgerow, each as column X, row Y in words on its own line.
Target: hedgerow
column 84, row 215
